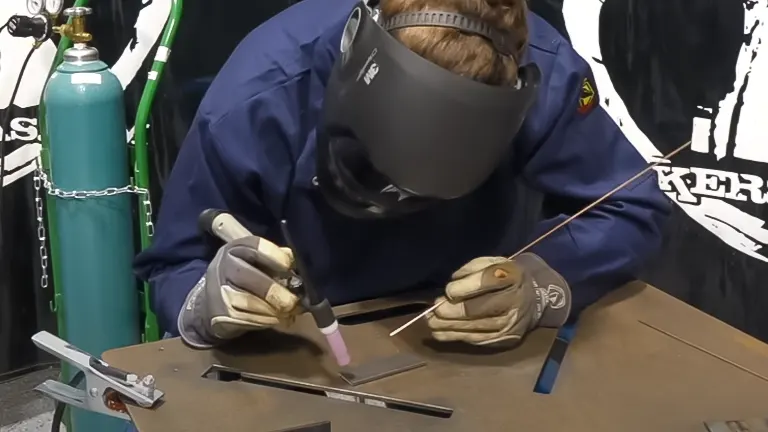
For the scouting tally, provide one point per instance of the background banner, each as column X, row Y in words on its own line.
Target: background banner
column 669, row 72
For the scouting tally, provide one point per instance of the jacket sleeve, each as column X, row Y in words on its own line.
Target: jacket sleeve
column 237, row 163
column 580, row 155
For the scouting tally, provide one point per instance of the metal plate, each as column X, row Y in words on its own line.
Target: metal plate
column 314, row 427
column 753, row 425
column 381, row 368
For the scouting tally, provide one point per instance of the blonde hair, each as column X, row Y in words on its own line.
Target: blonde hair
column 465, row 54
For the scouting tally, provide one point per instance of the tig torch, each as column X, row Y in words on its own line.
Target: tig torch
column 226, row 227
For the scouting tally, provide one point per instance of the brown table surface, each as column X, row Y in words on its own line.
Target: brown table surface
column 641, row 361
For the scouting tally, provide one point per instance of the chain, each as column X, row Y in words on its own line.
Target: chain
column 41, row 228
column 41, row 182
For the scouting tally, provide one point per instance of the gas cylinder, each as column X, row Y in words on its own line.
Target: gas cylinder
column 86, row 127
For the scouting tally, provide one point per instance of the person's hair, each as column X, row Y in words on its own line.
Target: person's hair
column 465, row 54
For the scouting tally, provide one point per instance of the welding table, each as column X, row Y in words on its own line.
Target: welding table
column 640, row 361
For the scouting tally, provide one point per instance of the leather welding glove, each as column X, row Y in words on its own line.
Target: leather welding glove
column 243, row 290
column 495, row 300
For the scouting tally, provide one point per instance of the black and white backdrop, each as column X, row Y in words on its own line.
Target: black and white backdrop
column 667, row 72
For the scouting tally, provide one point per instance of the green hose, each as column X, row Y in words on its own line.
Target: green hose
column 151, row 331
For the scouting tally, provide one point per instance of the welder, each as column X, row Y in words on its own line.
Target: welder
column 391, row 135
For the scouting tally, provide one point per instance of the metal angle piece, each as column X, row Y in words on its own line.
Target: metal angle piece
column 381, row 368
column 314, row 427
column 223, row 373
column 752, row 425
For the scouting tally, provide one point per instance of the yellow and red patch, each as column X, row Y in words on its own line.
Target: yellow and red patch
column 587, row 97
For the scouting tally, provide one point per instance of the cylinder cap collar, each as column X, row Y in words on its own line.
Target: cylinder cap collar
column 81, row 53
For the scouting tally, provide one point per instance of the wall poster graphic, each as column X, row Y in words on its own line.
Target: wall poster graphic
column 679, row 70
column 733, row 126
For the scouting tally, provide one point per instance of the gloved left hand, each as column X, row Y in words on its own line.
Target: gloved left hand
column 494, row 300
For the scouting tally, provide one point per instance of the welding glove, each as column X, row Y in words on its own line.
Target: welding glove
column 243, row 290
column 496, row 301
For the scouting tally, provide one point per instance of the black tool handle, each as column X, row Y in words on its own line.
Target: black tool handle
column 312, row 296
column 321, row 312
column 22, row 26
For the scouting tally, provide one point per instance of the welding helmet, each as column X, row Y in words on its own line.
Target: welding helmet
column 399, row 133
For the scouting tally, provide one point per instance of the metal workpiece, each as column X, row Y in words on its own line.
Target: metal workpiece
column 381, row 368
column 751, row 425
column 222, row 373
column 107, row 389
column 314, row 427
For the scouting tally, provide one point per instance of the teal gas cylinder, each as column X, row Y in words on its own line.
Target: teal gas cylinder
column 85, row 123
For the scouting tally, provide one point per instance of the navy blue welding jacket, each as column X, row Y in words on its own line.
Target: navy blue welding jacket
column 251, row 151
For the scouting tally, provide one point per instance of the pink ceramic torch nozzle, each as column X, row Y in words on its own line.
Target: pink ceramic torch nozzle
column 336, row 343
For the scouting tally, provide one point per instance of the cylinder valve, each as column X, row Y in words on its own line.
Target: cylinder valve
column 76, row 29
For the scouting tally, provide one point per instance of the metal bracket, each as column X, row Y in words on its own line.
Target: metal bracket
column 381, row 368
column 226, row 374
column 108, row 389
column 315, row 427
column 751, row 425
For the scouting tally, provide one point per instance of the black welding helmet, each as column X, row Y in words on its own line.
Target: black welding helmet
column 398, row 132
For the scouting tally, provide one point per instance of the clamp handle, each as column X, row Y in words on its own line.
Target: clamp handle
column 103, row 383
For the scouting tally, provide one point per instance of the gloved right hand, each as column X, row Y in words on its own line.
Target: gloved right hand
column 243, row 290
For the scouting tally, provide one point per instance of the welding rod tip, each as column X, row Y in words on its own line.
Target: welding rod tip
column 416, row 318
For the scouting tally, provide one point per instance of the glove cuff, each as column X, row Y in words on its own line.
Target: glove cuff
column 190, row 321
column 553, row 294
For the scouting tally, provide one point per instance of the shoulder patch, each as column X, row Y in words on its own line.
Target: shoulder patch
column 587, row 96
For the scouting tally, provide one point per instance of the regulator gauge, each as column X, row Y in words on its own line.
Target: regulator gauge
column 54, row 7
column 35, row 7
